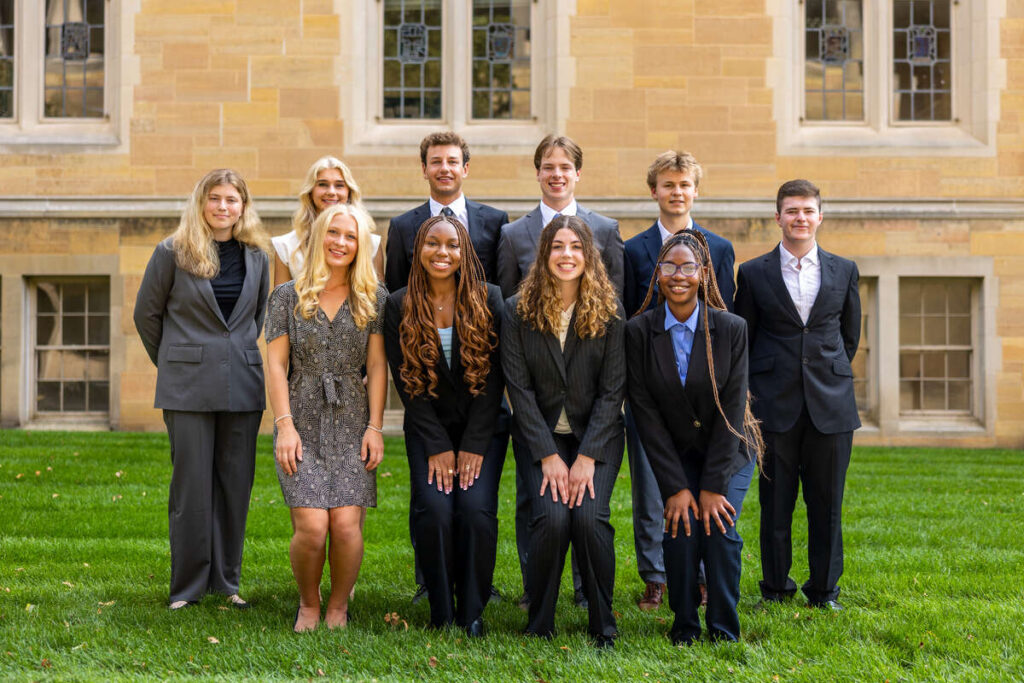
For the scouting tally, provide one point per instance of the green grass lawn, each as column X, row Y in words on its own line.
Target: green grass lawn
column 933, row 589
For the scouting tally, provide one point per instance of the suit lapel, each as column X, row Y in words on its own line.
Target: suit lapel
column 772, row 264
column 827, row 265
column 248, row 285
column 697, row 378
column 206, row 292
column 474, row 221
column 665, row 354
column 571, row 340
column 534, row 225
column 446, row 369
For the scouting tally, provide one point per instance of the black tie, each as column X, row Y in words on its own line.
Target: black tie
column 447, row 212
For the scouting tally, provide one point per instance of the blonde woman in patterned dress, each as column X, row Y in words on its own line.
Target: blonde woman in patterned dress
column 321, row 329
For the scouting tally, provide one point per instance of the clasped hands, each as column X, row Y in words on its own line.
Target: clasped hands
column 442, row 469
column 571, row 484
column 712, row 506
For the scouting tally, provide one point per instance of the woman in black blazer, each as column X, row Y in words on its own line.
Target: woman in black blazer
column 199, row 311
column 441, row 335
column 562, row 352
column 688, row 390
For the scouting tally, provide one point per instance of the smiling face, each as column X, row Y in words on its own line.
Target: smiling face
column 329, row 190
column 341, row 242
column 679, row 289
column 557, row 176
column 566, row 261
column 444, row 171
column 674, row 191
column 799, row 218
column 222, row 209
column 441, row 254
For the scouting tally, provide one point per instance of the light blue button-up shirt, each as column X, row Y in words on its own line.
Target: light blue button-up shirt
column 682, row 338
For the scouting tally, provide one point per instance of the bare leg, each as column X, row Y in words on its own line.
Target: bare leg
column 346, row 555
column 307, row 552
column 362, row 525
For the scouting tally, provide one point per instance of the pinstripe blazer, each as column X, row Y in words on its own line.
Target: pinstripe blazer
column 588, row 379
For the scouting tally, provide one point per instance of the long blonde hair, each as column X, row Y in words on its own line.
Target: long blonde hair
column 540, row 305
column 362, row 279
column 194, row 247
column 302, row 219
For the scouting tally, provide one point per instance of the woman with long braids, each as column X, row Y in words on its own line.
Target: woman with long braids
column 441, row 334
column 687, row 366
column 562, row 351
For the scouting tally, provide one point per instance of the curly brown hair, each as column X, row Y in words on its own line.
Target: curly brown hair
column 708, row 292
column 539, row 303
column 474, row 324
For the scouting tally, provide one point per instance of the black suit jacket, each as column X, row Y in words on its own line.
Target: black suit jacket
column 588, row 379
column 642, row 256
column 678, row 423
column 484, row 230
column 455, row 420
column 793, row 364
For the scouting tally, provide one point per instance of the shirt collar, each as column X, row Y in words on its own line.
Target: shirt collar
column 665, row 234
column 690, row 323
column 547, row 213
column 788, row 259
column 458, row 206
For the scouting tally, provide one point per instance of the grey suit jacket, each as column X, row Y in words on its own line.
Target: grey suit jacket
column 204, row 363
column 517, row 247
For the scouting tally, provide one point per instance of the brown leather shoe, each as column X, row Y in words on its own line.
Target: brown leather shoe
column 653, row 593
column 703, row 594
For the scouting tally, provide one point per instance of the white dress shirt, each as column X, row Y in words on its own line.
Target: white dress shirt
column 665, row 234
column 458, row 207
column 547, row 214
column 802, row 277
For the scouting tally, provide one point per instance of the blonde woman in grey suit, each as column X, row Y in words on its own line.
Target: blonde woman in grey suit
column 199, row 312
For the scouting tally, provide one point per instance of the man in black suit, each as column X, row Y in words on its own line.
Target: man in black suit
column 673, row 179
column 444, row 156
column 802, row 309
column 445, row 159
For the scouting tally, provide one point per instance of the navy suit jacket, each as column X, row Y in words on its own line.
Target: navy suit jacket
column 642, row 256
column 484, row 229
column 792, row 363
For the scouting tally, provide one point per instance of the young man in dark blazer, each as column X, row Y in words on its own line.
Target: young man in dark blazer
column 559, row 163
column 673, row 179
column 445, row 159
column 802, row 308
column 444, row 156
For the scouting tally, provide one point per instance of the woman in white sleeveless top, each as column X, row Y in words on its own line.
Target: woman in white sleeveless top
column 328, row 182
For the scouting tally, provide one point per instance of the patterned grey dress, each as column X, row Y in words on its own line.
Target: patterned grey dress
column 327, row 400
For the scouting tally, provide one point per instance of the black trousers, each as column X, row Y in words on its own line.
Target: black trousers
column 456, row 534
column 803, row 456
column 213, row 455
column 722, row 557
column 588, row 527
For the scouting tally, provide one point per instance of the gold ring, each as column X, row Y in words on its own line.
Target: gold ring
column 450, row 471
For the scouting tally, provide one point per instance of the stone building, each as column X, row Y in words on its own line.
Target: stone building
column 909, row 114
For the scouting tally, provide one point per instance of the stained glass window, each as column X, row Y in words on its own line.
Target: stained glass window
column 501, row 59
column 74, row 52
column 833, row 61
column 922, row 60
column 412, row 59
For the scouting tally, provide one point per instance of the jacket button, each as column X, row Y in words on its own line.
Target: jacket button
column 806, row 330
column 696, row 423
column 227, row 334
column 805, row 361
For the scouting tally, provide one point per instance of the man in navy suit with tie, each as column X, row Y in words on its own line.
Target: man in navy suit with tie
column 673, row 179
column 444, row 156
column 802, row 309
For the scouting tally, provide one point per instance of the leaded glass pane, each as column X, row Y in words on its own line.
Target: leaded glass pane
column 501, row 59
column 834, row 61
column 922, row 60
column 74, row 57
column 412, row 59
column 6, row 59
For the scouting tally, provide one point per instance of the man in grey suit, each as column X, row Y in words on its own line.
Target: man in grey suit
column 559, row 162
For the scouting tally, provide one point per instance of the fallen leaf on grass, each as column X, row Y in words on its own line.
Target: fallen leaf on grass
column 56, row 495
column 213, row 640
column 565, row 647
column 108, row 604
column 19, row 569
column 38, row 473
column 320, row 672
column 385, row 474
column 68, row 584
column 433, row 662
column 223, row 608
column 85, row 564
column 45, row 664
column 19, row 475
column 118, row 474
column 29, row 607
column 80, row 645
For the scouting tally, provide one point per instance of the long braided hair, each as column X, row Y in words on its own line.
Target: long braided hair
column 709, row 293
column 474, row 324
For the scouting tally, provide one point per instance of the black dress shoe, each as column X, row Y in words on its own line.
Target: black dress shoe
column 581, row 600
column 476, row 628
column 603, row 642
column 831, row 605
column 421, row 592
column 766, row 602
column 524, row 602
column 495, row 596
column 678, row 638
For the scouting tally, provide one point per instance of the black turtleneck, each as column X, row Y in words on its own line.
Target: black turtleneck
column 227, row 286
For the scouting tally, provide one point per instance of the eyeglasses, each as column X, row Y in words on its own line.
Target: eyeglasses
column 688, row 269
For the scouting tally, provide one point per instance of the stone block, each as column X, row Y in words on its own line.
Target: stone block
column 161, row 150
column 290, row 72
column 744, row 31
column 308, row 103
column 250, row 113
column 191, row 55
column 213, row 85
